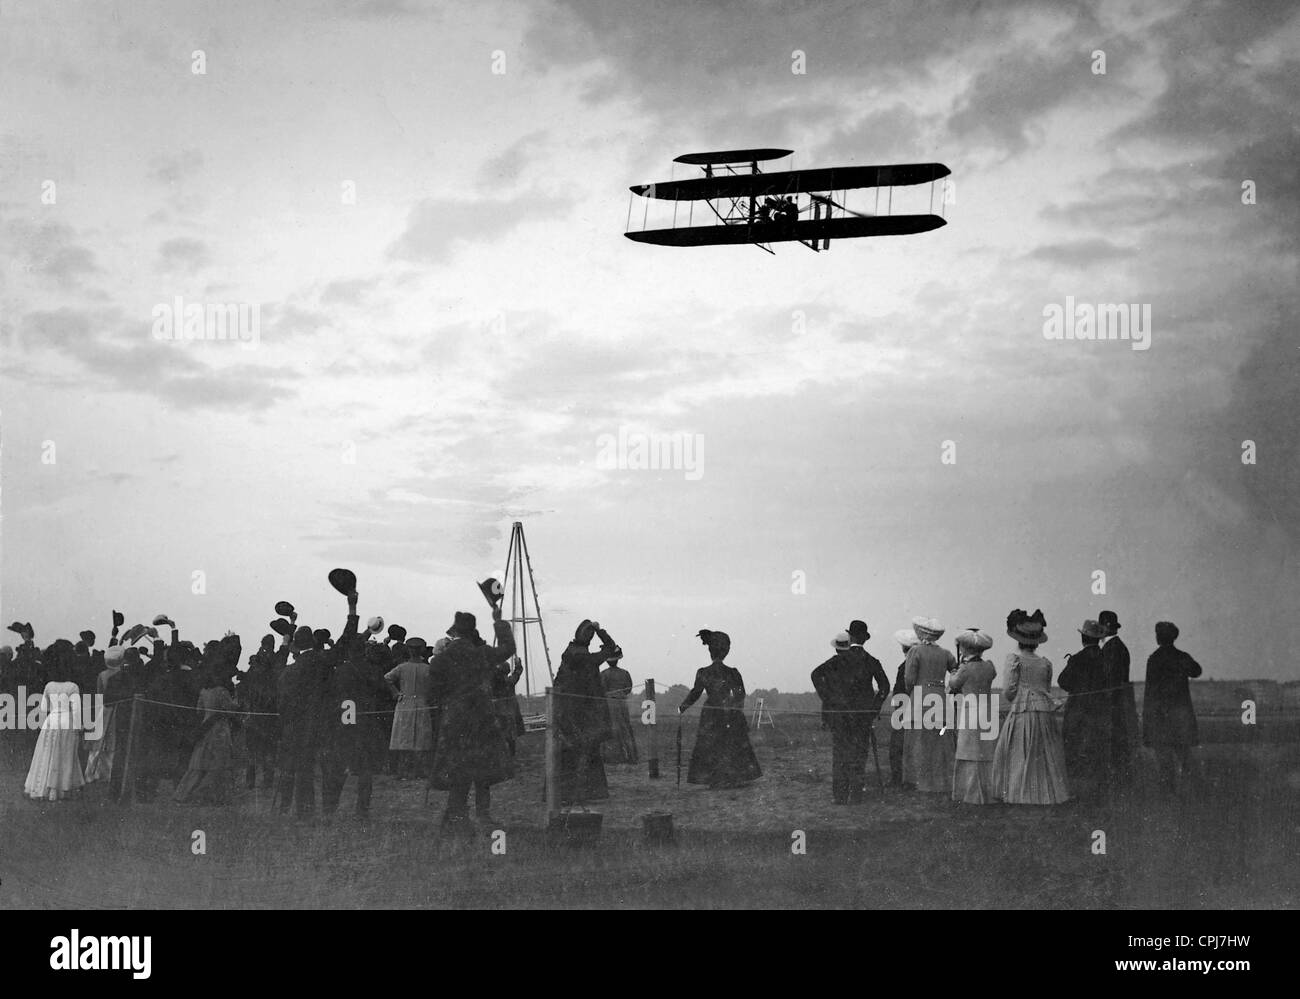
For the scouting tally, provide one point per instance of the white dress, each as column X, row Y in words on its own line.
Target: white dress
column 99, row 765
column 55, row 768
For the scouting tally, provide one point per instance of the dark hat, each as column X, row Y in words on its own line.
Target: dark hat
column 397, row 633
column 184, row 652
column 164, row 619
column 1166, row 632
column 719, row 642
column 343, row 580
column 1092, row 629
column 284, row 608
column 1027, row 629
column 303, row 638
column 493, row 591
column 321, row 636
column 88, row 637
column 118, row 619
column 586, row 628
column 464, row 626
column 282, row 627
column 858, row 631
column 1109, row 620
column 703, row 635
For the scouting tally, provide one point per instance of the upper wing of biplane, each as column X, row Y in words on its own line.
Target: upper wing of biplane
column 759, row 185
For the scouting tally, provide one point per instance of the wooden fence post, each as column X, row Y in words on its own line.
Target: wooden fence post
column 654, row 731
column 552, row 785
column 128, row 785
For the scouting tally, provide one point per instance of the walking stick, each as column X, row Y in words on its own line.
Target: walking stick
column 679, row 750
column 875, row 757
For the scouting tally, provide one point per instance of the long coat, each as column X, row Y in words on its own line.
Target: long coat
column 470, row 745
column 927, row 754
column 1088, row 711
column 307, row 700
column 1123, row 706
column 413, row 720
column 359, row 678
column 1167, row 715
column 581, row 722
column 621, row 745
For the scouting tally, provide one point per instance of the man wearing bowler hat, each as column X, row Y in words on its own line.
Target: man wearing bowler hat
column 849, row 708
column 1123, row 705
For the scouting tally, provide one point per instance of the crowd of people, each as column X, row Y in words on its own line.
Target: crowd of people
column 1045, row 750
column 315, row 707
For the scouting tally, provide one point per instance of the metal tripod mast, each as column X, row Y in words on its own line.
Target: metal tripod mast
column 518, row 563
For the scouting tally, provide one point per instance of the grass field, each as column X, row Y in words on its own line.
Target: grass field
column 1231, row 840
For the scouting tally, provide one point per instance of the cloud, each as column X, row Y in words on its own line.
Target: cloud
column 173, row 168
column 437, row 226
column 183, row 254
column 1081, row 253
column 118, row 356
column 347, row 292
column 50, row 251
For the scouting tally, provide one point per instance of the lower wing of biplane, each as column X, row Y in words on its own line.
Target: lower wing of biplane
column 793, row 205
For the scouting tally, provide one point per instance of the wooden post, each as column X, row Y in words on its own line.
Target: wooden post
column 552, row 784
column 128, row 785
column 654, row 733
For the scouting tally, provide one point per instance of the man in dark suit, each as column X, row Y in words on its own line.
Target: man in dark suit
column 1123, row 714
column 849, row 709
column 354, row 740
column 305, row 699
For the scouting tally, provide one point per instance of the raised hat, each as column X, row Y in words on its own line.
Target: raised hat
column 118, row 619
column 492, row 590
column 375, row 625
column 88, row 637
column 281, row 627
column 284, row 608
column 163, row 619
column 397, row 633
column 343, row 580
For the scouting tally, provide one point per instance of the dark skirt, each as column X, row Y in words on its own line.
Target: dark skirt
column 723, row 756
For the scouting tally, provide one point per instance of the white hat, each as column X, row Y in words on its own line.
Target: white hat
column 114, row 654
column 927, row 628
column 976, row 641
column 905, row 637
column 842, row 641
column 375, row 624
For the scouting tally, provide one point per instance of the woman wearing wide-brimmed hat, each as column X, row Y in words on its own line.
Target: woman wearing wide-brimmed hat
column 1029, row 762
column 1086, row 726
column 972, row 774
column 927, row 754
column 906, row 638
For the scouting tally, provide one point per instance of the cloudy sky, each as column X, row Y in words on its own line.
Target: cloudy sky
column 426, row 203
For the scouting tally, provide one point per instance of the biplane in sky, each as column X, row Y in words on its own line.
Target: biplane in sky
column 743, row 205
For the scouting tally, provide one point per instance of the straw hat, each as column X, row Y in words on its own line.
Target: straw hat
column 928, row 629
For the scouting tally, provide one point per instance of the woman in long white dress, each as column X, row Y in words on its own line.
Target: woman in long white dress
column 56, row 768
column 99, row 765
column 1029, row 762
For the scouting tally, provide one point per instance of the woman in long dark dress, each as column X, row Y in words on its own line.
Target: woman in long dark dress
column 581, row 715
column 723, row 756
